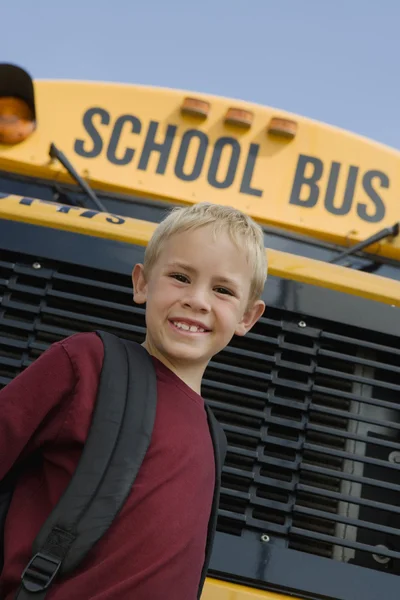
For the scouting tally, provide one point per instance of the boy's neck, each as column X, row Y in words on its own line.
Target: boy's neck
column 192, row 375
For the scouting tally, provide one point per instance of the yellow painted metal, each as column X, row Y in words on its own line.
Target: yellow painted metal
column 100, row 224
column 220, row 590
column 108, row 149
column 134, row 231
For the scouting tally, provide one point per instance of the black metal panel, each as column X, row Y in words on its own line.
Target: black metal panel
column 77, row 249
column 118, row 257
column 291, row 572
column 309, row 400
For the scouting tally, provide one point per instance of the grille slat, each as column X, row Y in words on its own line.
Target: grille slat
column 352, row 499
column 98, row 285
column 366, row 420
column 341, row 339
column 312, row 414
column 349, row 477
column 351, row 436
column 358, row 361
column 358, row 379
column 342, row 519
column 347, row 544
column 331, row 393
column 361, row 459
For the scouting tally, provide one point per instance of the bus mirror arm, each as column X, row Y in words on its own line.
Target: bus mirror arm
column 392, row 231
column 54, row 152
column 59, row 192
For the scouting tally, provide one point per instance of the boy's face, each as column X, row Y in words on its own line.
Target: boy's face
column 197, row 297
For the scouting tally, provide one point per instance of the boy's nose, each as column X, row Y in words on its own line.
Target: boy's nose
column 197, row 300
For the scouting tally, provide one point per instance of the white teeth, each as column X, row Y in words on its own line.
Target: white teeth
column 186, row 327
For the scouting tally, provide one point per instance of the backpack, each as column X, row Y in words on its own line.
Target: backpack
column 117, row 442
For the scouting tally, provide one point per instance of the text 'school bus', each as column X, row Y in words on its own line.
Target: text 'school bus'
column 310, row 398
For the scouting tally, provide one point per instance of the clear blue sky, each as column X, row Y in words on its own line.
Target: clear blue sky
column 335, row 61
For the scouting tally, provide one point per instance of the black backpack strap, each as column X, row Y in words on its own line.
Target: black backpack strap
column 118, row 439
column 220, row 445
column 7, row 485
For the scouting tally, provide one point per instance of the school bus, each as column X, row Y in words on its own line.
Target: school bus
column 309, row 399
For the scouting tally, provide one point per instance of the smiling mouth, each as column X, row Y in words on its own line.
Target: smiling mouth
column 186, row 328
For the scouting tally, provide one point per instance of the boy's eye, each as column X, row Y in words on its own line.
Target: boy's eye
column 222, row 290
column 180, row 277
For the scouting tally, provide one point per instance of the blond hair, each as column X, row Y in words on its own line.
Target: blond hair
column 242, row 230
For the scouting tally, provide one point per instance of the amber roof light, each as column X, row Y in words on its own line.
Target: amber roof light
column 195, row 107
column 239, row 117
column 282, row 127
column 16, row 120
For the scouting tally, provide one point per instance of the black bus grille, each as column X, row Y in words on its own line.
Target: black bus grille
column 311, row 410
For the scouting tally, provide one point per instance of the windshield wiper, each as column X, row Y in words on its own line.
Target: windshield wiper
column 373, row 239
column 54, row 152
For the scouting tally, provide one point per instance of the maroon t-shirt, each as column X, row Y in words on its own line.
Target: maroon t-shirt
column 155, row 548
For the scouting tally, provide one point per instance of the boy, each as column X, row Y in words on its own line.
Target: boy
column 202, row 278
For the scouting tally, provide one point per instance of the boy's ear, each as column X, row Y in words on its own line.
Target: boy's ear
column 250, row 317
column 139, row 284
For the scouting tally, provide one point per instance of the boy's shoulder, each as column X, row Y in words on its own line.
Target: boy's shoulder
column 80, row 340
column 83, row 347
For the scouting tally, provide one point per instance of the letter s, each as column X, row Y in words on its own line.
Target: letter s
column 380, row 208
column 92, row 131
